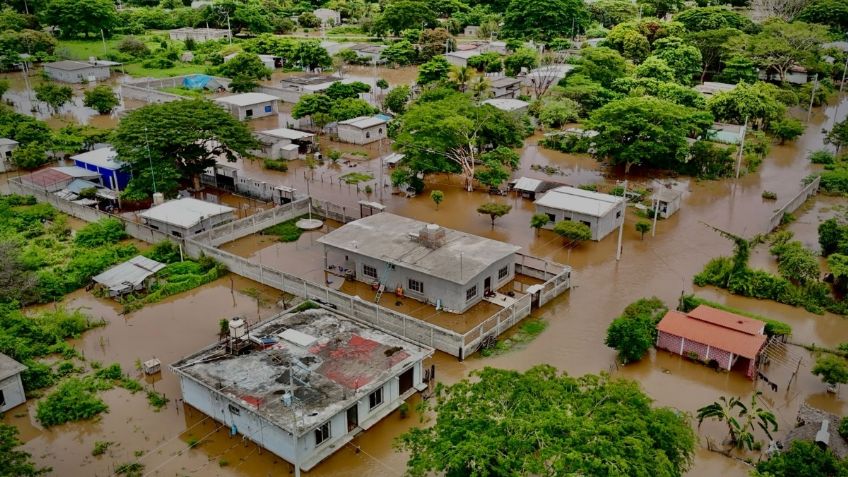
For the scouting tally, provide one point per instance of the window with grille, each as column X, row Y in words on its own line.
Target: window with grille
column 471, row 293
column 369, row 271
column 503, row 272
column 416, row 286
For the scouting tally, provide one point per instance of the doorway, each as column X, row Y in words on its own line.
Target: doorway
column 352, row 417
column 487, row 286
column 405, row 379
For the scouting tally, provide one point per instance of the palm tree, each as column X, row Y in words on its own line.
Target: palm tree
column 740, row 419
column 461, row 76
column 480, row 88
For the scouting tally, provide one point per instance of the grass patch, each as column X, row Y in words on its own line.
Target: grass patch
column 275, row 165
column 356, row 177
column 526, row 333
column 287, row 231
column 100, row 447
column 192, row 442
column 176, row 278
column 136, row 69
column 158, row 401
column 183, row 91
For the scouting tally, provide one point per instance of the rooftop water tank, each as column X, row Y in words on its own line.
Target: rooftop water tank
column 238, row 328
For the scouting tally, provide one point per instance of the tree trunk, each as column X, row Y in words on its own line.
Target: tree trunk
column 195, row 179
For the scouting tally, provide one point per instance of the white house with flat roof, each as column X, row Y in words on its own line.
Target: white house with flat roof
column 362, row 130
column 187, row 216
column 602, row 213
column 505, row 87
column 7, row 148
column 447, row 268
column 69, row 71
column 284, row 143
column 198, row 34
column 11, row 386
column 249, row 105
column 308, row 382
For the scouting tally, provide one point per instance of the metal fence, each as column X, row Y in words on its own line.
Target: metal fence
column 809, row 190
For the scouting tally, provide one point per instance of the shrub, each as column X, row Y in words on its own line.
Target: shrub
column 103, row 232
column 164, row 252
column 130, row 469
column 134, row 47
column 821, row 156
column 73, row 400
column 275, row 165
column 769, row 195
column 156, row 400
column 100, row 447
column 843, row 427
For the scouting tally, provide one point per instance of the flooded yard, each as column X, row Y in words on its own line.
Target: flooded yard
column 661, row 265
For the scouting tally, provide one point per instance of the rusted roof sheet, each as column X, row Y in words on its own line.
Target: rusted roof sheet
column 716, row 336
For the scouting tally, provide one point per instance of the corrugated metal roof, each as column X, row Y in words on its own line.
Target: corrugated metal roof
column 185, row 212
column 393, row 158
column 714, row 335
column 131, row 273
column 580, row 201
column 527, row 184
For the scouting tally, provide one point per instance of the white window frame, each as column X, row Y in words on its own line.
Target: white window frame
column 412, row 284
column 503, row 272
column 365, row 269
column 471, row 293
column 371, row 398
column 324, row 435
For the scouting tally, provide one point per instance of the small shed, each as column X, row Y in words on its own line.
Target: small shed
column 505, row 87
column 284, row 195
column 669, row 201
column 529, row 188
column 7, row 147
column 393, row 159
column 128, row 277
column 104, row 162
column 249, row 105
column 362, row 130
column 508, row 105
column 187, row 216
column 69, row 71
column 602, row 213
column 284, row 143
column 471, row 30
column 11, row 386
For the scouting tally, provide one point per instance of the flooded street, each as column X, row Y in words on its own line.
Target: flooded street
column 662, row 265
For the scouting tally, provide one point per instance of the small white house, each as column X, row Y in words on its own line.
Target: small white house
column 602, row 213
column 68, row 71
column 11, row 386
column 198, row 34
column 284, row 143
column 187, row 216
column 669, row 201
column 308, row 382
column 249, row 105
column 460, row 58
column 509, row 105
column 7, row 148
column 362, row 130
column 328, row 17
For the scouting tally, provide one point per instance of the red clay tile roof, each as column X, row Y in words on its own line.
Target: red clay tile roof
column 727, row 320
column 736, row 342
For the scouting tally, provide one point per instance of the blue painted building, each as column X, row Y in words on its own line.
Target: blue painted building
column 104, row 162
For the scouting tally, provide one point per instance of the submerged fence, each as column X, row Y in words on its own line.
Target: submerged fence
column 809, row 190
column 556, row 278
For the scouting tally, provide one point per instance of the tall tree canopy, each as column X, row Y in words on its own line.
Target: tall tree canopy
column 86, row 17
column 544, row 19
column 542, row 423
column 752, row 102
column 245, row 65
column 833, row 13
column 399, row 15
column 714, row 18
column 646, row 131
column 446, row 134
column 183, row 139
column 781, row 45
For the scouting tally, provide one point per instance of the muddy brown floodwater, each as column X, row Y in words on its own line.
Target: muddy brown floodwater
column 662, row 265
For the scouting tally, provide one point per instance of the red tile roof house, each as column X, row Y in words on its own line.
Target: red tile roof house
column 713, row 334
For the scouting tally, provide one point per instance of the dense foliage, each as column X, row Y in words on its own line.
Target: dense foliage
column 634, row 332
column 539, row 422
column 13, row 461
column 802, row 459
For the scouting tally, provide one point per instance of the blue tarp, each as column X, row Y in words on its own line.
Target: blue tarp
column 196, row 81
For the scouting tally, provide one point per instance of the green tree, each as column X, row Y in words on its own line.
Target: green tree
column 401, row 15
column 397, row 98
column 382, row 84
column 832, row 369
column 339, row 90
column 602, row 65
column 655, row 68
column 308, row 20
column 15, row 462
column 182, row 137
column 537, row 221
column 612, row 12
column 243, row 84
column 509, row 423
column 312, row 104
column 838, row 265
column 838, row 135
column 755, row 103
column 642, row 227
column 4, row 86
column 400, row 53
column 740, row 419
column 436, row 69
column 831, row 233
column 543, row 19
column 245, row 65
column 349, row 108
column 833, row 13
column 30, row 156
column 738, row 69
column 53, row 94
column 795, row 262
column 713, row 45
column 787, row 129
column 447, row 133
column 433, row 42
column 525, row 58
column 802, row 459
column 461, row 76
column 573, row 232
column 683, row 58
column 102, row 99
column 494, row 210
column 631, row 337
column 310, row 55
column 714, row 18
column 437, row 196
column 646, row 131
column 663, row 7
column 558, row 113
column 780, row 46
column 86, row 17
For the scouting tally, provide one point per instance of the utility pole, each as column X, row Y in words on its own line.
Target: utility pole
column 844, row 70
column 152, row 175
column 812, row 97
column 656, row 213
column 741, row 147
column 621, row 227
column 103, row 38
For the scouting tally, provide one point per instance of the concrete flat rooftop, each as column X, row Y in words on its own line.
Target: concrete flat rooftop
column 342, row 361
